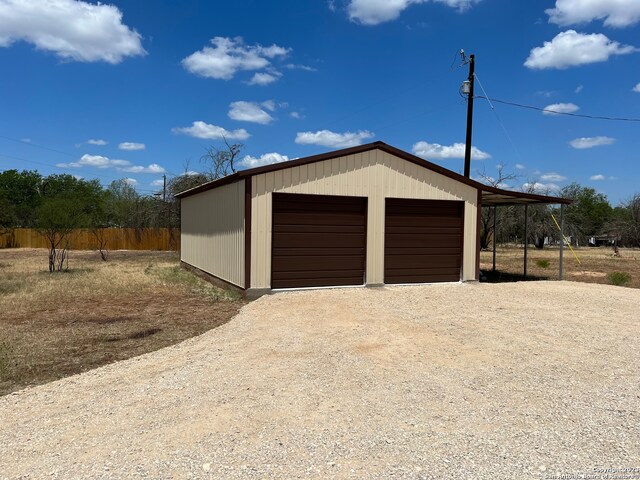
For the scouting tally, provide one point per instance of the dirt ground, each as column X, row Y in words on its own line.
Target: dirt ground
column 475, row 381
column 594, row 266
column 60, row 324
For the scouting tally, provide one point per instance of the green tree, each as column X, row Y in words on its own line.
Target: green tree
column 588, row 213
column 67, row 203
column 20, row 196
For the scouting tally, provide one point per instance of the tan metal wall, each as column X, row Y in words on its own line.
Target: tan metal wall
column 213, row 232
column 374, row 174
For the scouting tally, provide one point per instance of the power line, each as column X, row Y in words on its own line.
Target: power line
column 504, row 128
column 530, row 107
column 24, row 142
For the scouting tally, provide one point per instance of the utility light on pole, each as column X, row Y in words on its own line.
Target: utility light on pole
column 467, row 89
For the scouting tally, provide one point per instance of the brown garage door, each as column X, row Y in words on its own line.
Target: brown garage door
column 422, row 241
column 318, row 240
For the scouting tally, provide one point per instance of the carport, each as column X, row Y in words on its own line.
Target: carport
column 493, row 197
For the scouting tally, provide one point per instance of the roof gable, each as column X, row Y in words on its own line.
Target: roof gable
column 494, row 192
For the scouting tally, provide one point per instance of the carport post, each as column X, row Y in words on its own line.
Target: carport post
column 561, row 241
column 526, row 236
column 494, row 238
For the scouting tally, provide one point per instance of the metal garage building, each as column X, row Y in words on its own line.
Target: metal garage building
column 370, row 215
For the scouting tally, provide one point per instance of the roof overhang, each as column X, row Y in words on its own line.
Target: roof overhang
column 496, row 197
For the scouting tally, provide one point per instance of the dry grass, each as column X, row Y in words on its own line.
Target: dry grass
column 55, row 325
column 597, row 264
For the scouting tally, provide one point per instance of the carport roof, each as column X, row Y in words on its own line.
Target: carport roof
column 491, row 196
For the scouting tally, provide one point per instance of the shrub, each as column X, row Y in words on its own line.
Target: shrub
column 542, row 263
column 619, row 278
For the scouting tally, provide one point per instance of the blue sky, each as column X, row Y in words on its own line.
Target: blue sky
column 135, row 89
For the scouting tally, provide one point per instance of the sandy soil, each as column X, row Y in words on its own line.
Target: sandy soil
column 522, row 380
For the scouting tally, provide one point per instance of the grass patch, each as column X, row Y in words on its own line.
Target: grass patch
column 543, row 263
column 594, row 267
column 98, row 312
column 179, row 277
column 4, row 361
column 620, row 279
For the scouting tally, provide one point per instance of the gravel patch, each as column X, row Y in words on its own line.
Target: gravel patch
column 473, row 381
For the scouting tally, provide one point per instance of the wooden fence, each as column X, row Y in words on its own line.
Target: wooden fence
column 85, row 239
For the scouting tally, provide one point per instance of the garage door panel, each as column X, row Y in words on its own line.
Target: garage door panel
column 317, row 263
column 337, row 219
column 422, row 250
column 319, row 282
column 427, row 221
column 424, row 208
column 436, row 261
column 318, row 240
column 452, row 276
column 424, row 229
column 315, row 228
column 319, row 274
column 318, row 251
column 324, row 239
column 423, row 241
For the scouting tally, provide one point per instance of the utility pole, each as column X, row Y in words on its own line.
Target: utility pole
column 164, row 188
column 467, row 87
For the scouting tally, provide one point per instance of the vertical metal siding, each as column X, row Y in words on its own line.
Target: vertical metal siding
column 213, row 232
column 374, row 174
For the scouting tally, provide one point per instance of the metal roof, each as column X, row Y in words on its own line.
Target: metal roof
column 491, row 196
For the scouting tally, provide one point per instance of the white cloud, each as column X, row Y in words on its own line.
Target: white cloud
column 249, row 112
column 327, row 138
column 556, row 108
column 157, row 183
column 131, row 146
column 266, row 159
column 95, row 161
column 73, row 30
column 570, row 49
column 553, row 177
column 131, row 181
column 597, row 177
column 269, row 105
column 153, row 168
column 540, row 187
column 296, row 115
column 590, row 142
column 579, row 88
column 636, row 88
column 616, row 13
column 98, row 142
column 374, row 12
column 227, row 56
column 25, row 140
column 306, row 68
column 430, row 151
column 262, row 78
column 200, row 129
column 519, row 166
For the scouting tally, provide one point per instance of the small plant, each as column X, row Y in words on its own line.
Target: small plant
column 619, row 278
column 542, row 263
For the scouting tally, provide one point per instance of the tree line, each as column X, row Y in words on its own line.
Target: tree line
column 589, row 215
column 57, row 204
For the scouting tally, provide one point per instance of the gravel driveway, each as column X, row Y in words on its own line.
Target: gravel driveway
column 475, row 381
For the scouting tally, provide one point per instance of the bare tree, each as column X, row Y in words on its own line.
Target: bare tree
column 220, row 162
column 500, row 181
column 101, row 242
